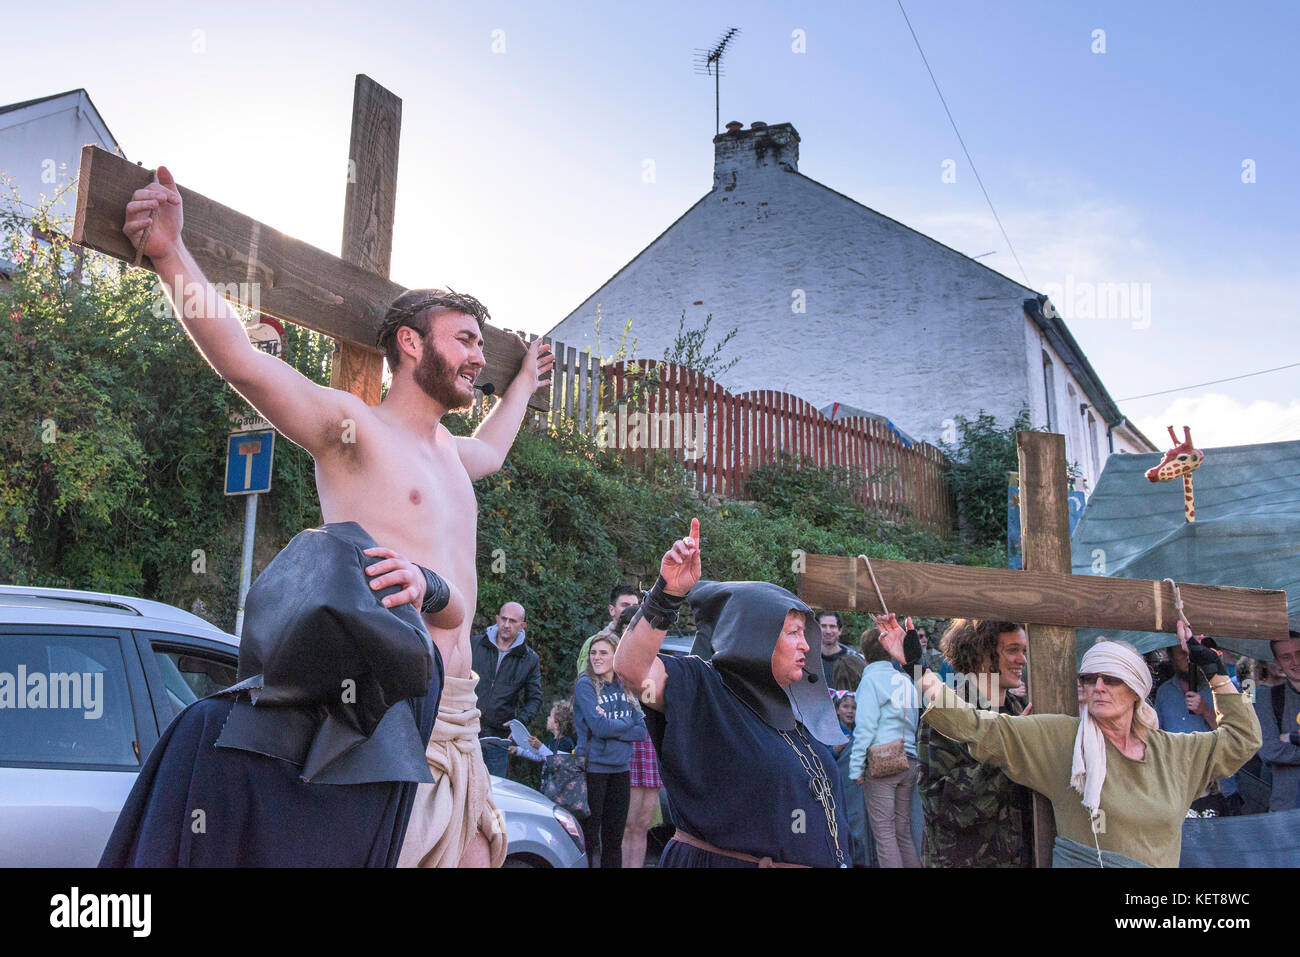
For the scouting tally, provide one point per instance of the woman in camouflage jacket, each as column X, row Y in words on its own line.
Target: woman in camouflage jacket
column 975, row 816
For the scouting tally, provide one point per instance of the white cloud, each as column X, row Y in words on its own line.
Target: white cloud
column 1218, row 420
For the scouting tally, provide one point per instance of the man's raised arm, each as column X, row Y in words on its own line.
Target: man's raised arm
column 306, row 413
column 636, row 659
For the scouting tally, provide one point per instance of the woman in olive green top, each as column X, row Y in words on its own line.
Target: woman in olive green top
column 1116, row 782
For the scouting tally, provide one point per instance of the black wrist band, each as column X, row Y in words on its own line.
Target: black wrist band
column 436, row 592
column 659, row 608
column 1206, row 659
column 912, row 651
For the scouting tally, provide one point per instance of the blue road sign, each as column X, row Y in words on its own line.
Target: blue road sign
column 248, row 462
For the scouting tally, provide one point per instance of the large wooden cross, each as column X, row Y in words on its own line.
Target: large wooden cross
column 253, row 264
column 1045, row 595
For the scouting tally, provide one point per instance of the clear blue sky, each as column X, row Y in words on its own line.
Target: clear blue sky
column 521, row 171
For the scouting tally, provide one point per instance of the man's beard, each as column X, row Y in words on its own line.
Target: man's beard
column 438, row 378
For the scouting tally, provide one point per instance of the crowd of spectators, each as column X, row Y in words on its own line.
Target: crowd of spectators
column 915, row 796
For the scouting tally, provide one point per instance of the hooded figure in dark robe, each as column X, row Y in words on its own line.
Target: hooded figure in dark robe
column 313, row 757
column 743, row 758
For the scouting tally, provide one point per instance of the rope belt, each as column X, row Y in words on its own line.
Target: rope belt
column 682, row 837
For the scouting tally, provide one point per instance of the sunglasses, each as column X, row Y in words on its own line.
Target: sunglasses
column 1091, row 679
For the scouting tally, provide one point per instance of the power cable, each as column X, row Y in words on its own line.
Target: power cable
column 996, row 218
column 1234, row 378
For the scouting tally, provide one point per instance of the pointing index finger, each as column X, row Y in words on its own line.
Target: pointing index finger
column 695, row 531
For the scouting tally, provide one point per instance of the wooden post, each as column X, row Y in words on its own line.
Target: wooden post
column 1045, row 541
column 368, row 209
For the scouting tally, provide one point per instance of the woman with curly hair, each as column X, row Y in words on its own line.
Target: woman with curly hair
column 976, row 816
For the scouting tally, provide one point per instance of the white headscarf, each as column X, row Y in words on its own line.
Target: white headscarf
column 1088, row 772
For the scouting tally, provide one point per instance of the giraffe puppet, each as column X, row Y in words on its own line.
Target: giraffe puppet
column 1180, row 461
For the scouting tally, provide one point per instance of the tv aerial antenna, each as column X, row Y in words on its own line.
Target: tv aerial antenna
column 709, row 63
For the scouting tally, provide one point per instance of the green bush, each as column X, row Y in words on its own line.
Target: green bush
column 978, row 463
column 112, row 457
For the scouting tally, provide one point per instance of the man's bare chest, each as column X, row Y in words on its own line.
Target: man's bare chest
column 419, row 499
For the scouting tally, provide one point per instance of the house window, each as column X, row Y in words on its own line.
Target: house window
column 1072, row 430
column 1049, row 386
column 1092, row 444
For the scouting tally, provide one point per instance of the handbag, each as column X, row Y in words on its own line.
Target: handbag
column 564, row 781
column 884, row 760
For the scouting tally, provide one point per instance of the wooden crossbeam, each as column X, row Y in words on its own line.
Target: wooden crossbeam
column 296, row 282
column 1081, row 601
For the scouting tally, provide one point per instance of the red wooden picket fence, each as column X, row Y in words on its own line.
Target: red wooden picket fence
column 719, row 438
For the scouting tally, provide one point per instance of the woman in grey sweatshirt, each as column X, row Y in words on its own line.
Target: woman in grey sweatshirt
column 607, row 720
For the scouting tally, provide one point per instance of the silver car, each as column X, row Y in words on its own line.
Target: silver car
column 88, row 681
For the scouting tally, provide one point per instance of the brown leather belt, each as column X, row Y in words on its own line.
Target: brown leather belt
column 682, row 837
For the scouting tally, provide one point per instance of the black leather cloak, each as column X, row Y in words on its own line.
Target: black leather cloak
column 313, row 757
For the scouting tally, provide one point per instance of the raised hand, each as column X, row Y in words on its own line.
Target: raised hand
column 891, row 635
column 901, row 641
column 157, row 209
column 539, row 361
column 1201, row 655
column 681, row 563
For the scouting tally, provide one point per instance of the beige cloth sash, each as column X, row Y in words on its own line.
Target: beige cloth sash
column 447, row 813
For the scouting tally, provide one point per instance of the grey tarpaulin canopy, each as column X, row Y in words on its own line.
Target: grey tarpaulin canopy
column 1246, row 533
column 1251, row 840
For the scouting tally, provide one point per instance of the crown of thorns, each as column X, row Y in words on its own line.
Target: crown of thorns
column 450, row 299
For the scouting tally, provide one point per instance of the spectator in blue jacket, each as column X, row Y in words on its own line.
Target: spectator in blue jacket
column 607, row 720
column 887, row 711
column 1184, row 703
column 560, row 725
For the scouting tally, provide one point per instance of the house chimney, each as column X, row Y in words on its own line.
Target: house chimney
column 761, row 148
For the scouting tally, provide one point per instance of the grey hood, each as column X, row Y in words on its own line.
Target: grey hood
column 737, row 627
